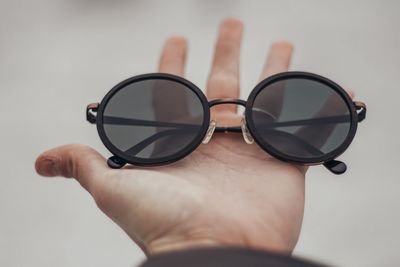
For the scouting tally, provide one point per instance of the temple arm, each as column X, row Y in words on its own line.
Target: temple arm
column 183, row 128
column 156, row 136
column 135, row 122
column 336, row 167
column 92, row 108
column 153, row 138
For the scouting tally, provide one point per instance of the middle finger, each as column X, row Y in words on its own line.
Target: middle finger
column 223, row 80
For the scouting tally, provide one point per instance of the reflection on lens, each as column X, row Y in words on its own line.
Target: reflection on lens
column 301, row 117
column 153, row 118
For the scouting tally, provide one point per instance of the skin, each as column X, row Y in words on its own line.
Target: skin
column 225, row 193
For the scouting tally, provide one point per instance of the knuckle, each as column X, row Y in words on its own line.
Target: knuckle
column 226, row 48
column 71, row 163
column 66, row 166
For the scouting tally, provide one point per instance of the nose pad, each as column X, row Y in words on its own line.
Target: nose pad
column 246, row 134
column 210, row 131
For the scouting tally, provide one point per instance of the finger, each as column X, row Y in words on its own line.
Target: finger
column 350, row 93
column 278, row 60
column 223, row 80
column 173, row 56
column 172, row 61
column 81, row 162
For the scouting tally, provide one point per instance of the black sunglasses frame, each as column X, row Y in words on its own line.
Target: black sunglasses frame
column 94, row 114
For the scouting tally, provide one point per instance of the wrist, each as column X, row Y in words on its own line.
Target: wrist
column 164, row 245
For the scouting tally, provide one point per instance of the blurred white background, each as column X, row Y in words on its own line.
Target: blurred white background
column 56, row 56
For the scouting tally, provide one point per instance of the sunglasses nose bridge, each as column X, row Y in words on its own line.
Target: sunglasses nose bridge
column 216, row 102
column 243, row 127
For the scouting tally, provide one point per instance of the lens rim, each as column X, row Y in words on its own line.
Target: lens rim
column 292, row 159
column 158, row 161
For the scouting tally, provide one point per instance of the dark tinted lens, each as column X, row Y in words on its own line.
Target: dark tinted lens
column 301, row 117
column 153, row 118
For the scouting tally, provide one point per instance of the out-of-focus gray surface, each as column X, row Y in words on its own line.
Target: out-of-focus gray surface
column 58, row 55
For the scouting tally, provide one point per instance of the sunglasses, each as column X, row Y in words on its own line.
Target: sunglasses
column 297, row 117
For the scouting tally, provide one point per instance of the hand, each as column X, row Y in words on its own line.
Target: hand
column 226, row 193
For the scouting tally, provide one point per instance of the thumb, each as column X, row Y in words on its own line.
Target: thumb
column 81, row 162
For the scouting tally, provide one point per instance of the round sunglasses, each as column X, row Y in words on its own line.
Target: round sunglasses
column 157, row 118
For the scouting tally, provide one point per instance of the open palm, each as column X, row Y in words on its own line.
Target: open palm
column 225, row 193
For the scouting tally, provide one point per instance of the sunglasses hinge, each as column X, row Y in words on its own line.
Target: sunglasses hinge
column 91, row 109
column 335, row 166
column 234, row 129
column 362, row 110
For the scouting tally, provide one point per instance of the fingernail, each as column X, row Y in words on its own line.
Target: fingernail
column 49, row 166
